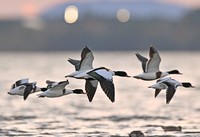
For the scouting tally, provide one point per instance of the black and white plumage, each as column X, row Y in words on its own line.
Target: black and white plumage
column 23, row 88
column 170, row 85
column 93, row 76
column 150, row 67
column 86, row 63
column 57, row 89
column 104, row 77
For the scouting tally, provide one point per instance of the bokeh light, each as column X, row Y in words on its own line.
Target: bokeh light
column 71, row 14
column 123, row 15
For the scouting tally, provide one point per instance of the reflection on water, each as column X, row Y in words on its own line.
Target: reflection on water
column 135, row 107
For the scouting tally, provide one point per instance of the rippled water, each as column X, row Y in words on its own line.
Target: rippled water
column 135, row 107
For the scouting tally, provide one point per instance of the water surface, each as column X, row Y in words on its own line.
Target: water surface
column 73, row 116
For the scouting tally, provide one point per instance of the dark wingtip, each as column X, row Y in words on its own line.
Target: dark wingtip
column 112, row 99
column 84, row 52
column 155, row 95
column 25, row 97
column 90, row 97
column 87, row 48
column 167, row 102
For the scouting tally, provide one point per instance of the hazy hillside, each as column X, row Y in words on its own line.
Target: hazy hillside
column 141, row 9
column 103, row 34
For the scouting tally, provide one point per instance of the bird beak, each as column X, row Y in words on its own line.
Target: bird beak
column 136, row 77
column 151, row 87
column 192, row 86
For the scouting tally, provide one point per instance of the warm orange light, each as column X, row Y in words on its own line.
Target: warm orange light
column 29, row 9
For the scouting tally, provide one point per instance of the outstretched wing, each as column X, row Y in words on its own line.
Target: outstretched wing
column 170, row 92
column 60, row 86
column 21, row 82
column 154, row 62
column 157, row 91
column 50, row 83
column 75, row 62
column 143, row 61
column 86, row 59
column 106, row 84
column 28, row 89
column 90, row 88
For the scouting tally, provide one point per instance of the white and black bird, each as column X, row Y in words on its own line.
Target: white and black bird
column 170, row 85
column 23, row 88
column 104, row 77
column 93, row 76
column 150, row 67
column 57, row 89
column 86, row 63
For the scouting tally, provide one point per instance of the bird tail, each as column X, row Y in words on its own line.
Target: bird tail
column 40, row 95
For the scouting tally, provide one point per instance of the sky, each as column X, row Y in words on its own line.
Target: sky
column 25, row 8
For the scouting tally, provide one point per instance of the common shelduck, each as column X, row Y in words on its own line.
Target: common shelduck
column 23, row 88
column 57, row 89
column 86, row 68
column 86, row 63
column 103, row 76
column 170, row 85
column 150, row 67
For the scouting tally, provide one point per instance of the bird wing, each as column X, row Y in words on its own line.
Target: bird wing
column 170, row 92
column 163, row 79
column 28, row 89
column 60, row 86
column 154, row 61
column 21, row 81
column 157, row 91
column 50, row 83
column 143, row 61
column 86, row 59
column 106, row 84
column 90, row 88
column 75, row 62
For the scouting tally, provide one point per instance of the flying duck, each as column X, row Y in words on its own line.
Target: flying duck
column 103, row 76
column 150, row 67
column 170, row 85
column 57, row 89
column 86, row 63
column 23, row 88
column 83, row 70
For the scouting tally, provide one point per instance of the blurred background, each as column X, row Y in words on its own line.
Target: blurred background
column 33, row 32
column 65, row 25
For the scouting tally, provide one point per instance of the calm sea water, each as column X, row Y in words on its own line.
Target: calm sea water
column 73, row 116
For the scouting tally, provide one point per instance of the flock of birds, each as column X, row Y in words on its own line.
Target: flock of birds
column 104, row 76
